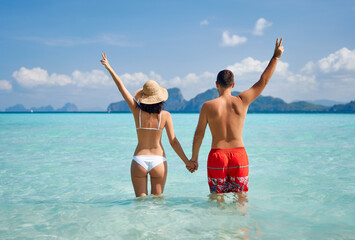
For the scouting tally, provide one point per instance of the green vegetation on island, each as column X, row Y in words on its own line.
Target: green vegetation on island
column 263, row 104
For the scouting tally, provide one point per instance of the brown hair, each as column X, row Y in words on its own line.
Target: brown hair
column 152, row 108
column 225, row 78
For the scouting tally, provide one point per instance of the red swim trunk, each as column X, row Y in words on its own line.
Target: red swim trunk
column 228, row 170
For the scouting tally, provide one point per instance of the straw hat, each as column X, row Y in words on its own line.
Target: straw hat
column 151, row 93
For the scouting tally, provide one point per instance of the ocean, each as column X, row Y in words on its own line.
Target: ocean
column 67, row 176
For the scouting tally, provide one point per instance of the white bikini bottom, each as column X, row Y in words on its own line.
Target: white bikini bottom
column 149, row 161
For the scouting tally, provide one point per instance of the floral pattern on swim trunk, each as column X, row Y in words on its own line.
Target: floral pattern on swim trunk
column 228, row 170
column 228, row 184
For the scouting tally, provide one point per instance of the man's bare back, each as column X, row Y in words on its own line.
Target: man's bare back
column 225, row 117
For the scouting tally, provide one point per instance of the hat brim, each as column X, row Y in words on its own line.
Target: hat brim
column 160, row 96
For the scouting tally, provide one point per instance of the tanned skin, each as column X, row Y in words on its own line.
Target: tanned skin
column 226, row 114
column 149, row 142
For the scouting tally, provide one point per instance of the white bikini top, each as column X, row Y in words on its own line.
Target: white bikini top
column 140, row 124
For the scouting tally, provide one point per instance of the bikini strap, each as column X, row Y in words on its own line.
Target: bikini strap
column 159, row 120
column 140, row 118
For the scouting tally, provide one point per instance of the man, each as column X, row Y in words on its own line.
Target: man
column 227, row 165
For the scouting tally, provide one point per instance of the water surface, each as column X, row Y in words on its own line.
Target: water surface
column 66, row 176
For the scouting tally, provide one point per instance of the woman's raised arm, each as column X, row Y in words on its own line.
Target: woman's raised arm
column 125, row 94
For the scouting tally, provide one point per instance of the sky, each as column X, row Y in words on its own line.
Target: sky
column 51, row 50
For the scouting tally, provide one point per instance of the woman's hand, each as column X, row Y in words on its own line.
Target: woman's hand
column 104, row 61
column 278, row 48
column 190, row 166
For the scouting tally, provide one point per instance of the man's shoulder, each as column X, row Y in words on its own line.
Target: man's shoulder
column 210, row 105
column 211, row 102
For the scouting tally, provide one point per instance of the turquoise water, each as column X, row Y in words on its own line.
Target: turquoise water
column 66, row 176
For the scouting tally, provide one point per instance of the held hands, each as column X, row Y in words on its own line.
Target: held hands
column 104, row 61
column 278, row 48
column 192, row 165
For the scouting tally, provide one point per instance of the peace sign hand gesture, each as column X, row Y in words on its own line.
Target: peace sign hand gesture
column 104, row 61
column 278, row 48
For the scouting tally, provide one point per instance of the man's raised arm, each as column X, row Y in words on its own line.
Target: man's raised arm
column 252, row 93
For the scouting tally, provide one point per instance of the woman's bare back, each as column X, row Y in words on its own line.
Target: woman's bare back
column 149, row 133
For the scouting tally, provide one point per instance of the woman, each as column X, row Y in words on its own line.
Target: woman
column 149, row 156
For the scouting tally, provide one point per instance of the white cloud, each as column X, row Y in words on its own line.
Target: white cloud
column 5, row 85
column 260, row 25
column 39, row 77
column 343, row 59
column 251, row 65
column 299, row 78
column 334, row 74
column 31, row 77
column 138, row 79
column 247, row 65
column 93, row 79
column 282, row 68
column 204, row 22
column 308, row 68
column 230, row 41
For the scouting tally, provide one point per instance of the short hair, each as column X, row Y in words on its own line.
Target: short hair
column 152, row 108
column 225, row 78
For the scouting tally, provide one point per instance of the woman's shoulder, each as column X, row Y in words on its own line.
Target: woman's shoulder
column 165, row 114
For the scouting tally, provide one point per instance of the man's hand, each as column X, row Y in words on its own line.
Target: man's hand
column 104, row 61
column 278, row 48
column 190, row 166
column 195, row 162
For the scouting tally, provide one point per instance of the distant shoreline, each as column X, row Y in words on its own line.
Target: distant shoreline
column 177, row 104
